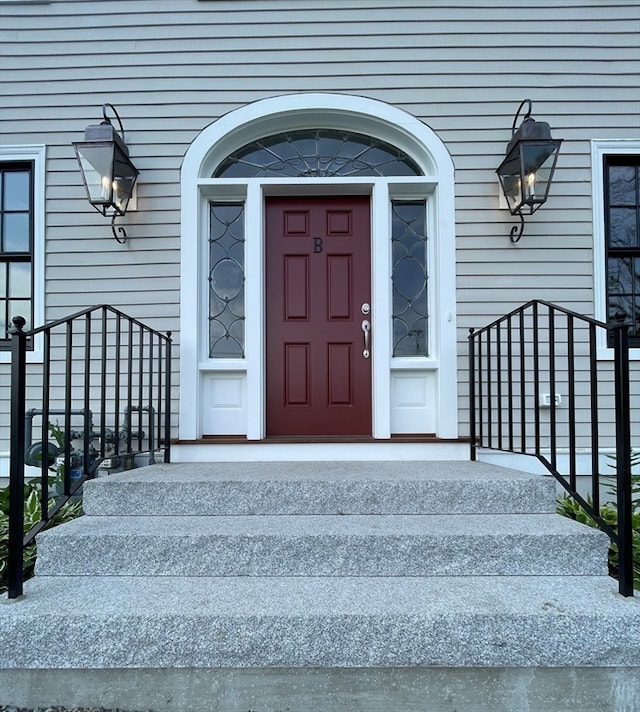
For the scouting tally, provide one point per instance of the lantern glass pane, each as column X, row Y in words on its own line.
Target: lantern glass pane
column 538, row 162
column 509, row 175
column 96, row 163
column 511, row 184
column 124, row 178
column 526, row 173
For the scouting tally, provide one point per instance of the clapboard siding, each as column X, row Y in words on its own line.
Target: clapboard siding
column 462, row 67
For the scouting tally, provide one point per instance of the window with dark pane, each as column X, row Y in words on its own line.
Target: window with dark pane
column 16, row 246
column 317, row 153
column 409, row 257
column 226, row 280
column 622, row 235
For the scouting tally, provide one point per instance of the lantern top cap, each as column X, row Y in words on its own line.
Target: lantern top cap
column 529, row 129
column 104, row 131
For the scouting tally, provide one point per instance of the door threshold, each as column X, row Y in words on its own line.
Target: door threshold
column 233, row 449
column 313, row 439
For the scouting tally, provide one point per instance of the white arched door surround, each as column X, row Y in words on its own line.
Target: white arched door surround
column 399, row 384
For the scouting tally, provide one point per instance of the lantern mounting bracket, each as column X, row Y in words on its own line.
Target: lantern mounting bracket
column 517, row 229
column 107, row 120
column 123, row 235
column 120, row 229
column 515, row 118
column 514, row 229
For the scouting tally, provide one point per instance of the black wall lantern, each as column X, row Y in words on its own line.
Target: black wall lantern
column 107, row 171
column 526, row 172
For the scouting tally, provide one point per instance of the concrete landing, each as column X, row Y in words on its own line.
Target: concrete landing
column 331, row 690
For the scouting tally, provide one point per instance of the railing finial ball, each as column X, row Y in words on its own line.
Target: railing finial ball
column 19, row 322
column 620, row 316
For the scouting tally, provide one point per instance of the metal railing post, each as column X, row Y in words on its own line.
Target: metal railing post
column 167, row 405
column 623, row 453
column 535, row 336
column 472, row 395
column 16, row 471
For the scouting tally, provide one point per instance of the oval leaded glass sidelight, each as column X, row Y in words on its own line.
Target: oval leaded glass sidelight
column 317, row 153
column 409, row 254
column 226, row 281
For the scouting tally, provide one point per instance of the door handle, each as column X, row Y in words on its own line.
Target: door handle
column 366, row 329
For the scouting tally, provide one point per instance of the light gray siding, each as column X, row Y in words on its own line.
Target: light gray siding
column 462, row 67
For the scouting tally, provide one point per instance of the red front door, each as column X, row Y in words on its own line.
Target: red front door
column 318, row 277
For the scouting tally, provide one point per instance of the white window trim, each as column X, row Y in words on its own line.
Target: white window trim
column 270, row 116
column 37, row 154
column 599, row 149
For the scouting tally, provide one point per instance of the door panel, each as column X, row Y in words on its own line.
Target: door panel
column 296, row 286
column 297, row 371
column 318, row 276
column 339, row 286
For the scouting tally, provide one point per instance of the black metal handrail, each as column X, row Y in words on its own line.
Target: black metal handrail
column 518, row 364
column 108, row 377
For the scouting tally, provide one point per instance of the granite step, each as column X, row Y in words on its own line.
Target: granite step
column 319, row 566
column 284, row 488
column 327, row 545
column 309, row 622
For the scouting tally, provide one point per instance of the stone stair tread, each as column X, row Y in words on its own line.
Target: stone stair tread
column 323, row 471
column 309, row 621
column 354, row 545
column 305, row 488
column 353, row 525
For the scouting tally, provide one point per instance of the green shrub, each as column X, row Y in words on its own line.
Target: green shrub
column 568, row 507
column 69, row 510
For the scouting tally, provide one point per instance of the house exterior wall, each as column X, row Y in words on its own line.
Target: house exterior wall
column 173, row 69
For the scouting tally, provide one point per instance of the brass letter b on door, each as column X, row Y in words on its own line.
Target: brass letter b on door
column 317, row 245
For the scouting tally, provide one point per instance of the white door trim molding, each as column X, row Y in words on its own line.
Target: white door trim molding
column 274, row 115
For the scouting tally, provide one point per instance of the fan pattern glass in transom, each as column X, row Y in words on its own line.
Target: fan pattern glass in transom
column 317, row 153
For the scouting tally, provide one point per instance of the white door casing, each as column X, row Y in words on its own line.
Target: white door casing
column 398, row 382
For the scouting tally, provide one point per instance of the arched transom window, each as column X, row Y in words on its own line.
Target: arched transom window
column 317, row 153
column 310, row 144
